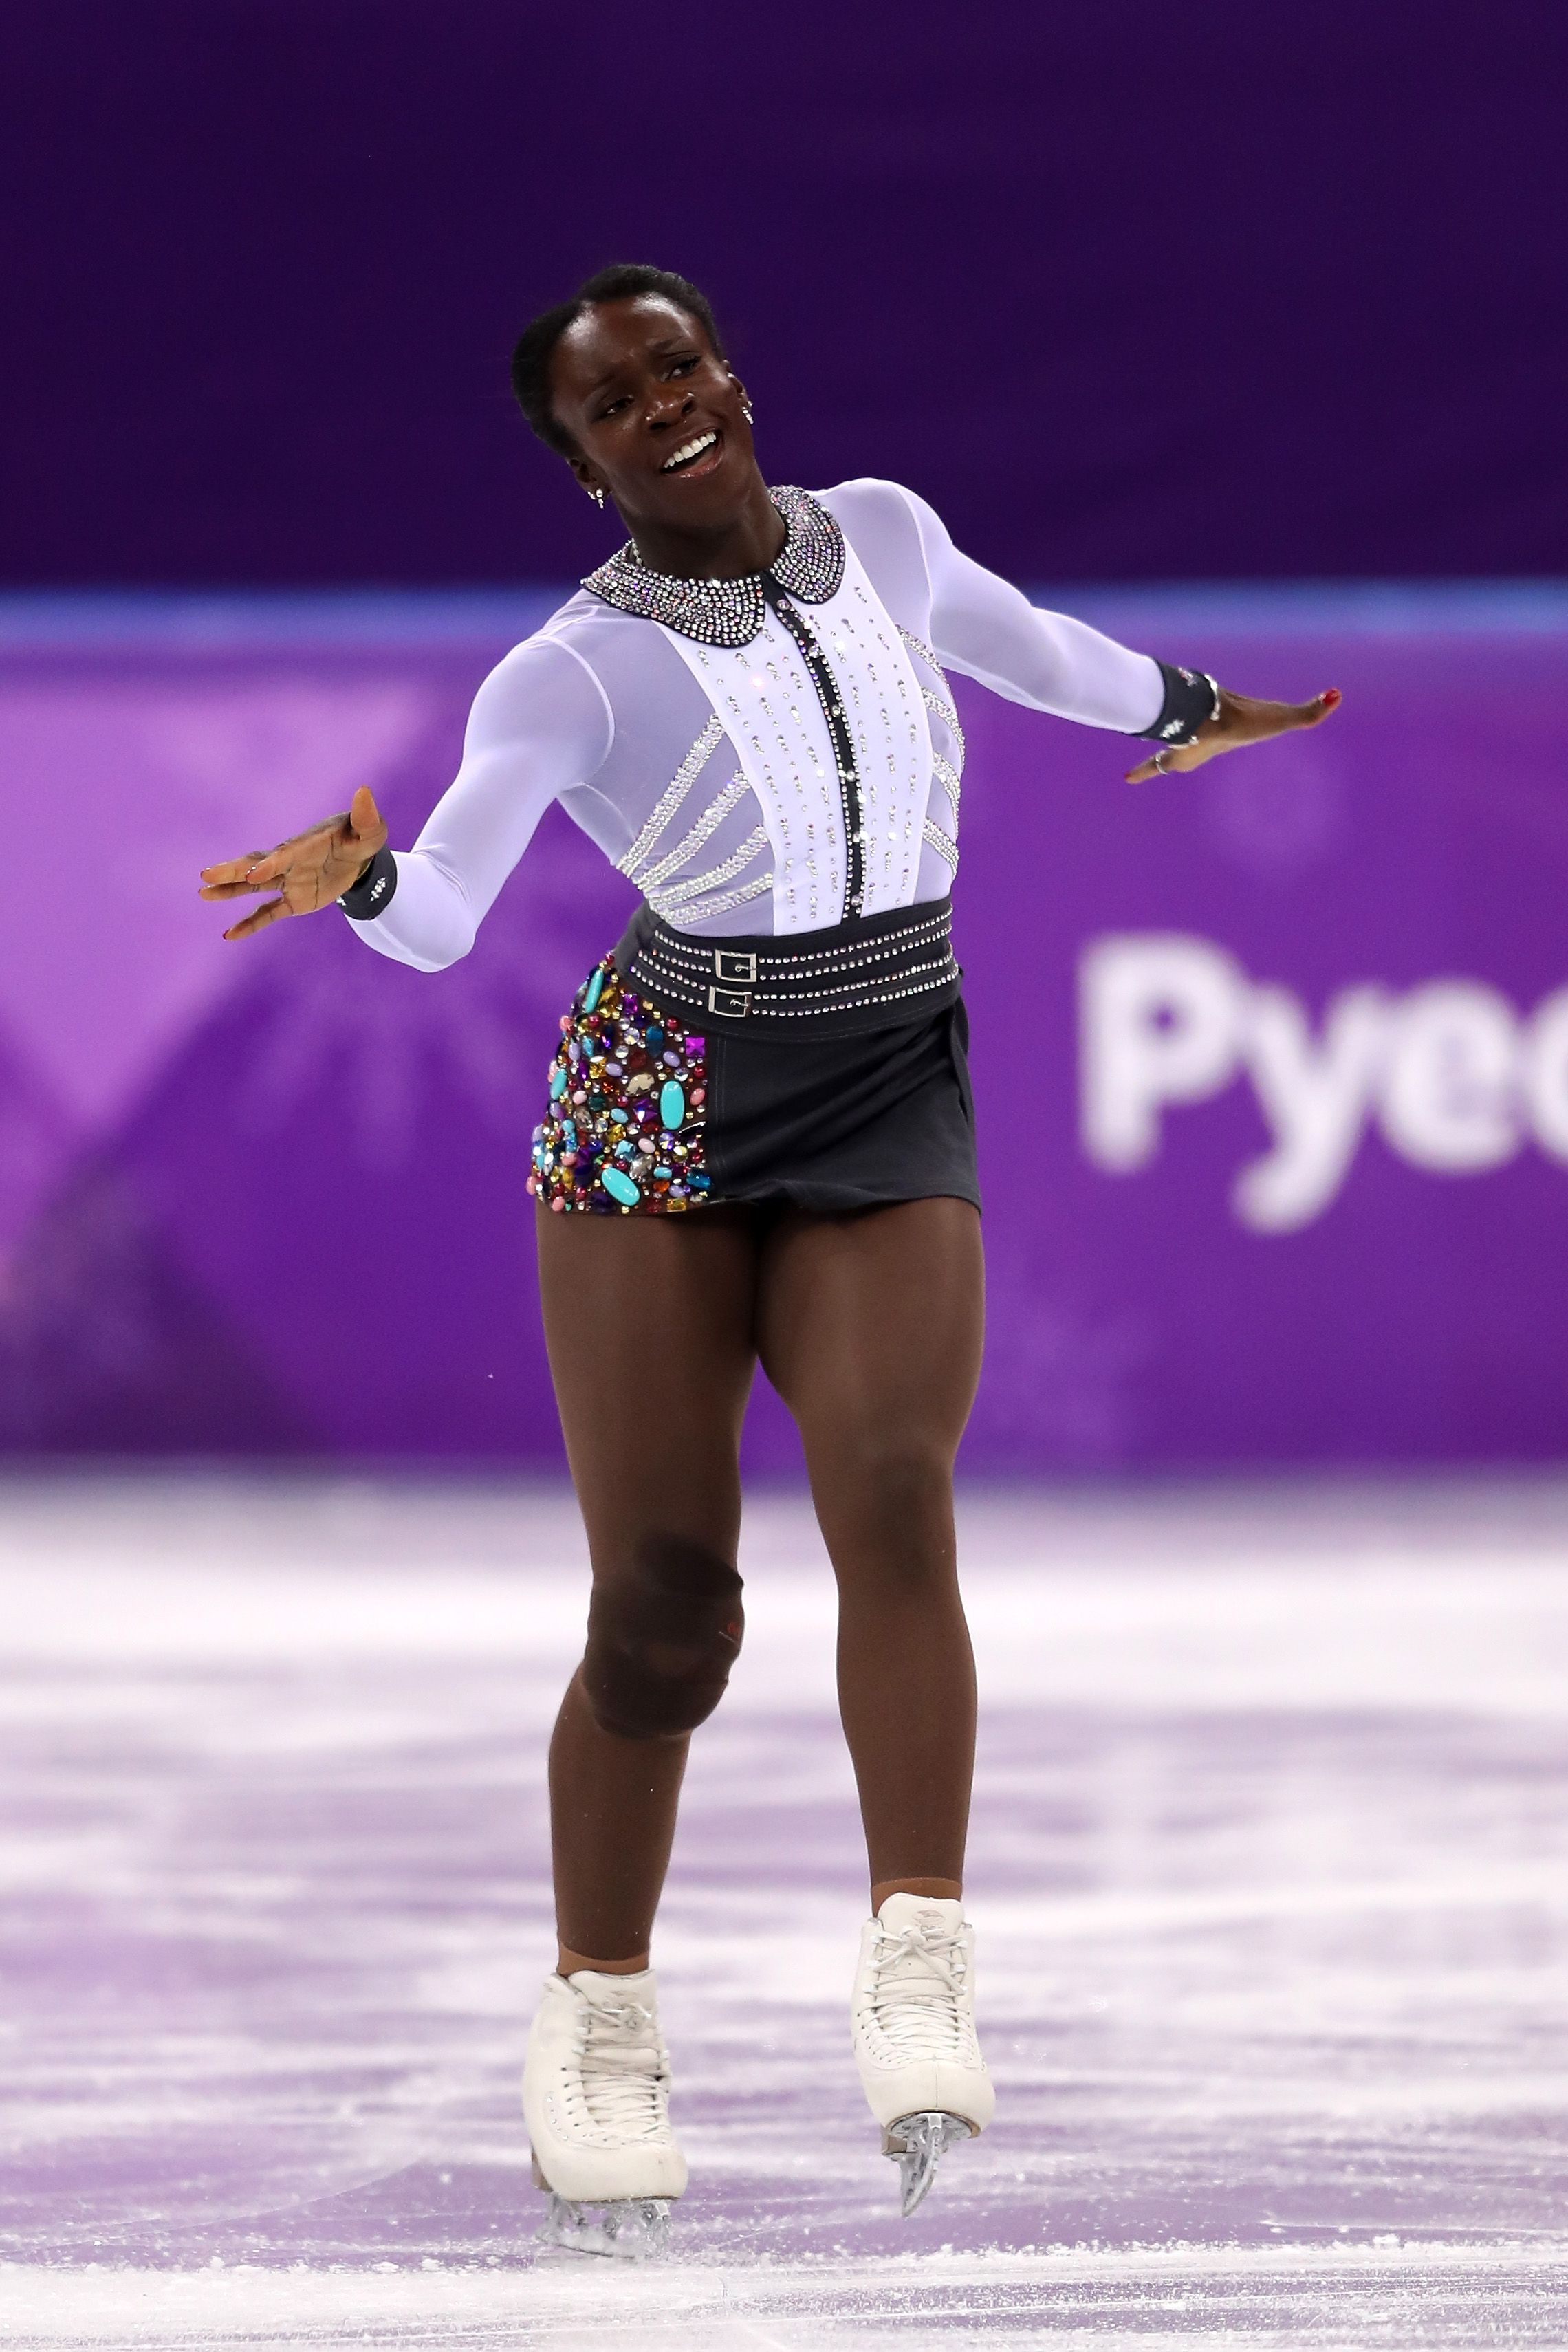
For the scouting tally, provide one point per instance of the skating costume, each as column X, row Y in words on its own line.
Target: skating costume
column 776, row 763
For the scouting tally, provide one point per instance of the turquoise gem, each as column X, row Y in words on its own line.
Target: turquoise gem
column 594, row 989
column 671, row 1104
column 557, row 1083
column 620, row 1188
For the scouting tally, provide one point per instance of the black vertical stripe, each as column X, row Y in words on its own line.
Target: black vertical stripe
column 827, row 684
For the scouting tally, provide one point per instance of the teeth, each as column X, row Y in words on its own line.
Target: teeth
column 689, row 449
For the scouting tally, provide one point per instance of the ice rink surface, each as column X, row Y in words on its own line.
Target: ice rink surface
column 1270, row 1871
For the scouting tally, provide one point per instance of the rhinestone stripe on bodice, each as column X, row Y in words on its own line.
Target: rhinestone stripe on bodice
column 845, row 767
column 948, row 771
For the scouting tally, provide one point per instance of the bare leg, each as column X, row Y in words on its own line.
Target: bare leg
column 870, row 1328
column 649, row 1324
column 611, row 1821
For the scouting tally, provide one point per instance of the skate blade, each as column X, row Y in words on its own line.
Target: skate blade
column 626, row 2228
column 918, row 2142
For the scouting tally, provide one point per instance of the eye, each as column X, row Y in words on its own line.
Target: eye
column 611, row 405
column 684, row 367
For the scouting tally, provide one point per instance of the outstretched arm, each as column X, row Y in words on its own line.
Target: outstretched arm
column 986, row 629
column 540, row 724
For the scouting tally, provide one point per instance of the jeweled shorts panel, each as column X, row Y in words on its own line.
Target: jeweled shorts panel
column 628, row 1096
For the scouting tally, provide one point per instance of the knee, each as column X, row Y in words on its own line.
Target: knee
column 886, row 1497
column 663, row 1632
column 900, row 1477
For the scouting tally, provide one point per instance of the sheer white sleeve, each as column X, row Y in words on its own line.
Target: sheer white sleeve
column 538, row 725
column 987, row 630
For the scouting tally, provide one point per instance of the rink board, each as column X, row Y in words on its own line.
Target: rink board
column 1271, row 1066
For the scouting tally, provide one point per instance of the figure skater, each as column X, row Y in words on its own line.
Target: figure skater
column 757, row 1146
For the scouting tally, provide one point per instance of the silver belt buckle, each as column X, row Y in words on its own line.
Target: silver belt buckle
column 728, row 965
column 733, row 1003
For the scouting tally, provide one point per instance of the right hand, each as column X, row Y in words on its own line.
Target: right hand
column 309, row 871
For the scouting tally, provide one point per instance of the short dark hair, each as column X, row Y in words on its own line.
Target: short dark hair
column 623, row 281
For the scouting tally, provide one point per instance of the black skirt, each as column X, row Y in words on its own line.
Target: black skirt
column 655, row 1110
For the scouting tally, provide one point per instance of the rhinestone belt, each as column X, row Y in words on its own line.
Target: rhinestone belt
column 871, row 974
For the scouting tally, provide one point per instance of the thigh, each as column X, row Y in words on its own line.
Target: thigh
column 870, row 1326
column 650, row 1325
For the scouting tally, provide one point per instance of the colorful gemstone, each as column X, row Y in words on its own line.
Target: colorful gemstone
column 606, row 1144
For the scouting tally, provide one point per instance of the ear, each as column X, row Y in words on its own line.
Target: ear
column 586, row 475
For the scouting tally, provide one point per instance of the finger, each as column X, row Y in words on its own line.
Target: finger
column 258, row 920
column 232, row 869
column 1165, row 763
column 229, row 890
column 271, row 869
column 1308, row 714
column 363, row 814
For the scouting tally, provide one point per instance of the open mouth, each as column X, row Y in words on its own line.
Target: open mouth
column 691, row 453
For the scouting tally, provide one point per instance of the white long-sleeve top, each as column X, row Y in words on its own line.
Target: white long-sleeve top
column 707, row 771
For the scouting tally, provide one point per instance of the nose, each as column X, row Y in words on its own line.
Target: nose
column 667, row 405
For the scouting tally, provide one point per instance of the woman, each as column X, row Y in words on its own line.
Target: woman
column 758, row 1147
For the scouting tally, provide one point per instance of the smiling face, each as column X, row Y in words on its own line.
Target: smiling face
column 656, row 418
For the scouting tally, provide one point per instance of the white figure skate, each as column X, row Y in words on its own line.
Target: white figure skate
column 920, row 2062
column 595, row 2094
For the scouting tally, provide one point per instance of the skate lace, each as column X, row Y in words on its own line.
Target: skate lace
column 918, row 1976
column 620, row 2067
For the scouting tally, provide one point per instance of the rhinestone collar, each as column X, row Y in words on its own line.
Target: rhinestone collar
column 810, row 566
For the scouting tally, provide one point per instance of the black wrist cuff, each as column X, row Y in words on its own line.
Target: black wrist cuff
column 1191, row 697
column 374, row 891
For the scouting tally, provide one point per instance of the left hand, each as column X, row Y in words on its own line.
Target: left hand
column 1241, row 720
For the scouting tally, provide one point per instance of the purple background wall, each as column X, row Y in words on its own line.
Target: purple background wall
column 270, row 1199
column 1133, row 295
column 1129, row 292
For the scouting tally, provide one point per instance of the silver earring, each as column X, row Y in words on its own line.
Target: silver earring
column 597, row 496
column 746, row 412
